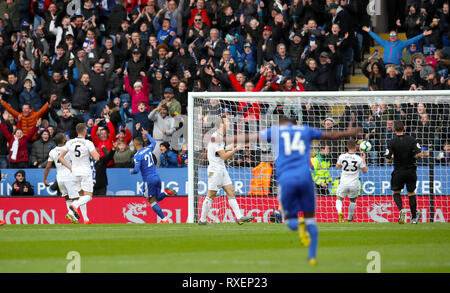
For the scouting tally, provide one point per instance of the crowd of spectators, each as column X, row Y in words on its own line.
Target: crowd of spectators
column 123, row 66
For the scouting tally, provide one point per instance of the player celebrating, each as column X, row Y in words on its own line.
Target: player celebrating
column 80, row 150
column 143, row 161
column 349, row 185
column 292, row 146
column 404, row 150
column 63, row 175
column 218, row 175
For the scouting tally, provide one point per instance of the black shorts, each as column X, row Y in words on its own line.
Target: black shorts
column 401, row 177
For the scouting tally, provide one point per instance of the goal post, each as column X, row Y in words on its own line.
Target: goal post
column 424, row 113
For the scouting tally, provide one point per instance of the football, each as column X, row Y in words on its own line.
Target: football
column 365, row 146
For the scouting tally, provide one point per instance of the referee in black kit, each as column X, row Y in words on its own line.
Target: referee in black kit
column 404, row 150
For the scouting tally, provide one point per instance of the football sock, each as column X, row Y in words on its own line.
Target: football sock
column 339, row 206
column 83, row 209
column 351, row 209
column 413, row 206
column 292, row 224
column 311, row 227
column 234, row 205
column 82, row 200
column 157, row 209
column 398, row 201
column 207, row 202
column 68, row 203
column 161, row 196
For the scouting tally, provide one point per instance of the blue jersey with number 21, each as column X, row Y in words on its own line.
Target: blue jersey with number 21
column 292, row 146
column 143, row 160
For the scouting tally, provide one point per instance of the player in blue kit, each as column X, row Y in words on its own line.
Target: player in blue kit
column 143, row 161
column 292, row 146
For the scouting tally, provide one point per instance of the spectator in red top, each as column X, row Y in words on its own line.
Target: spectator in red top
column 288, row 85
column 107, row 136
column 18, row 142
column 251, row 111
column 139, row 92
column 199, row 9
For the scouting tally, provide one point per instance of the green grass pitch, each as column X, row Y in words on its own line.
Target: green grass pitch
column 223, row 248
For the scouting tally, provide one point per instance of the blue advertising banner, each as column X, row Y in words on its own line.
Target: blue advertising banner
column 375, row 182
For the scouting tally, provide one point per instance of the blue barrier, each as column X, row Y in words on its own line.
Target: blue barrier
column 375, row 182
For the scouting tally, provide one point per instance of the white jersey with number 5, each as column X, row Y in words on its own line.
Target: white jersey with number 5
column 62, row 173
column 351, row 164
column 80, row 150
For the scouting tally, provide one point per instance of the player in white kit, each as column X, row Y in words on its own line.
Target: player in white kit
column 63, row 175
column 349, row 184
column 218, row 175
column 80, row 150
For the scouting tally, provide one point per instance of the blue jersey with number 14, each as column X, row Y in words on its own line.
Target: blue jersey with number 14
column 292, row 146
column 143, row 160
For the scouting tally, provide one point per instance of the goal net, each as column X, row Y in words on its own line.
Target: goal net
column 252, row 172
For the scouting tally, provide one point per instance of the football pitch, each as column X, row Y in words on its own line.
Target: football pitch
column 223, row 248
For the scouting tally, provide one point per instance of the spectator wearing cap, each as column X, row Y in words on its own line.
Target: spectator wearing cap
column 40, row 150
column 21, row 186
column 136, row 65
column 30, row 94
column 172, row 103
column 139, row 92
column 168, row 158
column 247, row 60
column 158, row 82
column 164, row 127
column 266, row 48
column 167, row 29
column 421, row 69
column 296, row 47
column 407, row 54
column 393, row 47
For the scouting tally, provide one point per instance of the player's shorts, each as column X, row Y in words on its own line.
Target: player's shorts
column 297, row 195
column 350, row 191
column 400, row 178
column 218, row 179
column 152, row 187
column 85, row 183
column 67, row 189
